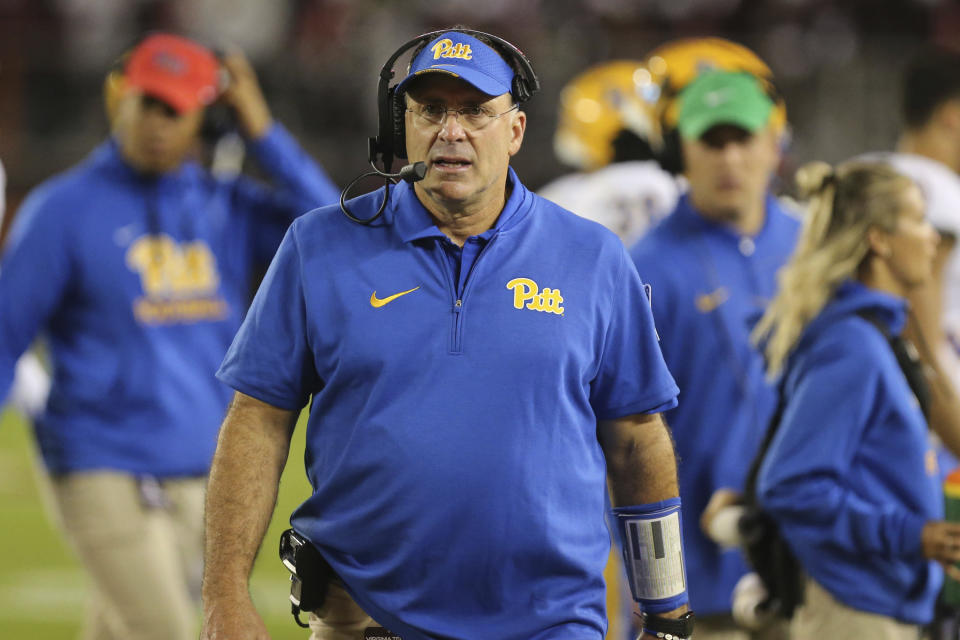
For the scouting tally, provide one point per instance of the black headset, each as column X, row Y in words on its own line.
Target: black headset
column 390, row 140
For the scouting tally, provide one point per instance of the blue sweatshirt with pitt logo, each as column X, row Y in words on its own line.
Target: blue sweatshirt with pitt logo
column 709, row 285
column 138, row 285
column 458, row 482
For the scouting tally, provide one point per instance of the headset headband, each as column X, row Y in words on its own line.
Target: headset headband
column 524, row 85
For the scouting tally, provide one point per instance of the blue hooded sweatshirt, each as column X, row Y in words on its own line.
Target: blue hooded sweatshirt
column 850, row 476
column 139, row 284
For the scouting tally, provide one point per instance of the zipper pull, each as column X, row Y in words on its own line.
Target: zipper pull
column 457, row 306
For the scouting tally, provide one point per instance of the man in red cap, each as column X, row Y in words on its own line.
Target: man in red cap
column 136, row 267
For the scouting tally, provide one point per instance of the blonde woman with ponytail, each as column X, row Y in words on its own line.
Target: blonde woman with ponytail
column 847, row 476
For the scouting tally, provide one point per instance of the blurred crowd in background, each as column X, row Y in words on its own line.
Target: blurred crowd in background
column 837, row 63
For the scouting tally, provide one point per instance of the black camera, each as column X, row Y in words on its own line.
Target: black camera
column 310, row 574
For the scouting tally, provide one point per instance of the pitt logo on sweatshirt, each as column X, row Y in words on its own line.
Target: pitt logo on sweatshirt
column 180, row 281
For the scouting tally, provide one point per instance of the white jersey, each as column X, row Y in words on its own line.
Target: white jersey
column 627, row 197
column 939, row 183
column 31, row 382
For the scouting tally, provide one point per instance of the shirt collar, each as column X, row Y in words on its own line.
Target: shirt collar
column 414, row 222
column 852, row 296
column 108, row 155
column 692, row 218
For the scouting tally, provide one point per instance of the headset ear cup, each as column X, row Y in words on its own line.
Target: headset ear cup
column 398, row 111
column 521, row 90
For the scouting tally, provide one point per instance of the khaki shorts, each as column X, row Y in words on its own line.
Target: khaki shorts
column 144, row 560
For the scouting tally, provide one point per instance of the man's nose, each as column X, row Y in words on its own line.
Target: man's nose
column 450, row 127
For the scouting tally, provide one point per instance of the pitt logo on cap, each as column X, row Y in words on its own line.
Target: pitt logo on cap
column 170, row 63
column 446, row 49
column 526, row 291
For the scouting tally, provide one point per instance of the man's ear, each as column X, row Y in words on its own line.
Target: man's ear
column 775, row 140
column 518, row 127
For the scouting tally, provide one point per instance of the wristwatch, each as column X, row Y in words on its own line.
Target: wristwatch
column 669, row 628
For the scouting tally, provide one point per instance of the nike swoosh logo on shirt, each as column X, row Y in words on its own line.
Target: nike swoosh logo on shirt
column 379, row 302
column 707, row 302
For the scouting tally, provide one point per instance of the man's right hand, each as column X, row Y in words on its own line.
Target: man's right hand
column 237, row 619
column 251, row 451
column 941, row 542
column 245, row 96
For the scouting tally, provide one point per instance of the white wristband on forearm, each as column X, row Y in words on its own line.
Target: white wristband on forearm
column 653, row 554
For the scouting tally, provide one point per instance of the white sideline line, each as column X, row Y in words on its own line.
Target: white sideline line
column 34, row 593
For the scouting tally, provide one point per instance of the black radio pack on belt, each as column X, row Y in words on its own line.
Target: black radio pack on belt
column 310, row 575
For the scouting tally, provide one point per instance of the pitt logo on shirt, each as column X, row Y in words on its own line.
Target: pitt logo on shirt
column 446, row 49
column 526, row 291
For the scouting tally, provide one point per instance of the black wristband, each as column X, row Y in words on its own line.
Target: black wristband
column 669, row 628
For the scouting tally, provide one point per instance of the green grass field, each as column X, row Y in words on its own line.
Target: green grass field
column 42, row 589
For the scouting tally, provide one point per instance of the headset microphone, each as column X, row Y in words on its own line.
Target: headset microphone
column 410, row 173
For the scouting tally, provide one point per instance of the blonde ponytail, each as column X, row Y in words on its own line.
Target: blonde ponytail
column 843, row 205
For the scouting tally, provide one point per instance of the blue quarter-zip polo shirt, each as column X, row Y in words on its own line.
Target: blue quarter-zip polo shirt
column 709, row 286
column 458, row 484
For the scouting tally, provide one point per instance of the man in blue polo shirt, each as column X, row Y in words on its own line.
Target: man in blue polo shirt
column 475, row 360
column 712, row 265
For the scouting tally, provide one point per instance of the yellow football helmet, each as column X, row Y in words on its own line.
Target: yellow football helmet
column 596, row 106
column 675, row 64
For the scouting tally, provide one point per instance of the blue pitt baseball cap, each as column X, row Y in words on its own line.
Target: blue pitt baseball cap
column 463, row 56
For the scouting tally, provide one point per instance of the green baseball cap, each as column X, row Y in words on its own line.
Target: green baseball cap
column 723, row 97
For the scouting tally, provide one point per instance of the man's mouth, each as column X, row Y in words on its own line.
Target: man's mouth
column 451, row 163
column 728, row 184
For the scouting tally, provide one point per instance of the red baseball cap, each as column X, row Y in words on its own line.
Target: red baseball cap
column 176, row 70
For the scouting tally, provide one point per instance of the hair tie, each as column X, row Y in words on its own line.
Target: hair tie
column 829, row 180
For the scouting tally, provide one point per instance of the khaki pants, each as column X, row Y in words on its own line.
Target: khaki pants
column 822, row 617
column 720, row 627
column 145, row 561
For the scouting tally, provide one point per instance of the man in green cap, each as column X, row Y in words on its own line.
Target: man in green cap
column 711, row 266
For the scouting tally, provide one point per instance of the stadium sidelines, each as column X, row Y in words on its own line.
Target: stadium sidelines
column 42, row 590
column 32, row 595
